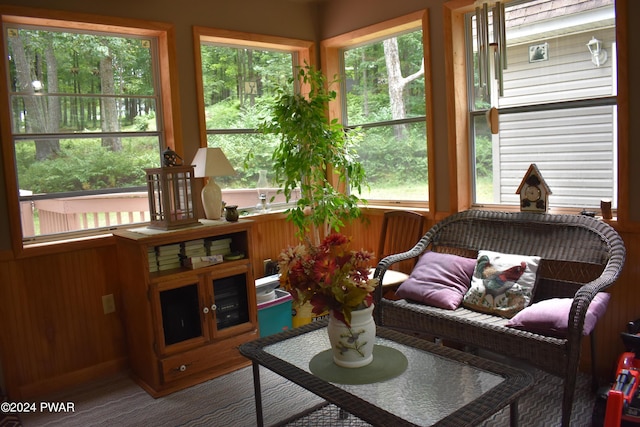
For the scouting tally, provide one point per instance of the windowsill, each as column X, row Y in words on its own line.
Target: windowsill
column 382, row 205
column 68, row 244
column 553, row 211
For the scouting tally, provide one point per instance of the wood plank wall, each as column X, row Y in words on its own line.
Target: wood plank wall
column 54, row 333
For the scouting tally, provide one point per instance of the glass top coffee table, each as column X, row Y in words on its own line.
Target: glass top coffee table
column 440, row 386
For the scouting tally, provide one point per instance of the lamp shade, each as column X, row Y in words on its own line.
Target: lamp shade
column 211, row 162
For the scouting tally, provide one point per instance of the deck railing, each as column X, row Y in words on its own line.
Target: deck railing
column 59, row 215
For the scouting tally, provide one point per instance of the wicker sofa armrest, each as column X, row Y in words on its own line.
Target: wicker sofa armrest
column 386, row 262
column 588, row 291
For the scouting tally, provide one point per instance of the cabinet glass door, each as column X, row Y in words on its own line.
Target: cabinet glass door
column 230, row 295
column 180, row 314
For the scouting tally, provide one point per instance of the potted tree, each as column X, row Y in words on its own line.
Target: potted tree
column 312, row 151
column 313, row 154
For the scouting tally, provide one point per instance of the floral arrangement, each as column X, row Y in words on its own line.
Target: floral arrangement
column 330, row 276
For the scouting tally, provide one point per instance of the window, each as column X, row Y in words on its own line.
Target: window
column 240, row 74
column 382, row 74
column 86, row 120
column 385, row 96
column 557, row 108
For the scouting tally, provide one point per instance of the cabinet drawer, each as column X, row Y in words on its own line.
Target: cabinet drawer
column 189, row 363
column 203, row 358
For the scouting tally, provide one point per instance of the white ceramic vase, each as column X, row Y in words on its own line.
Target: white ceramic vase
column 353, row 346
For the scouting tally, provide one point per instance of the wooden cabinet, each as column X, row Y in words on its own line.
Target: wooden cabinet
column 184, row 325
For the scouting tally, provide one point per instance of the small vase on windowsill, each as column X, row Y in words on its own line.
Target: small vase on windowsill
column 352, row 346
column 262, row 185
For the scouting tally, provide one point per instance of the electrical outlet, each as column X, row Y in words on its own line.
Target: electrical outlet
column 108, row 304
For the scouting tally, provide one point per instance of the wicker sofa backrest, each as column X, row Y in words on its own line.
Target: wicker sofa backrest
column 574, row 249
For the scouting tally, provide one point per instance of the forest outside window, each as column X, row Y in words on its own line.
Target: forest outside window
column 558, row 106
column 85, row 123
column 239, row 78
column 384, row 85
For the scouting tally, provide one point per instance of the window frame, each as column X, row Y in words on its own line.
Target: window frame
column 460, row 154
column 163, row 33
column 331, row 55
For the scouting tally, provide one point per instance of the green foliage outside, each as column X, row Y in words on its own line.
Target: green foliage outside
column 239, row 83
column 229, row 115
column 484, row 157
column 394, row 156
column 390, row 161
column 483, row 146
column 65, row 69
column 85, row 164
column 393, row 160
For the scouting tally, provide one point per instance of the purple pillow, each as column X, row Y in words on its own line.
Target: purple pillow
column 550, row 317
column 439, row 280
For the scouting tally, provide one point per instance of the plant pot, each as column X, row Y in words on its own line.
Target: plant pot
column 353, row 346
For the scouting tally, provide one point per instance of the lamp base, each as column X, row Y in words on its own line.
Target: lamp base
column 212, row 200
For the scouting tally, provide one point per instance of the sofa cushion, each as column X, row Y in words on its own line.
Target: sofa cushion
column 438, row 279
column 502, row 284
column 551, row 317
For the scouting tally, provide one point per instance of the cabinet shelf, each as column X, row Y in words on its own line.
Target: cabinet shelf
column 184, row 325
column 162, row 276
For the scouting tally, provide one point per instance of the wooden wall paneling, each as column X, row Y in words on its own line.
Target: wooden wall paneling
column 365, row 233
column 271, row 234
column 11, row 305
column 624, row 307
column 57, row 332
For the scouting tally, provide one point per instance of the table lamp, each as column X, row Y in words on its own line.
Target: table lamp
column 209, row 163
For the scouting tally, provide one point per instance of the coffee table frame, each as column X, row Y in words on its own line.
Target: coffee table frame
column 516, row 381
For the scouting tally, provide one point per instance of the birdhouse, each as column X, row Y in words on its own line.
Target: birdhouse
column 534, row 191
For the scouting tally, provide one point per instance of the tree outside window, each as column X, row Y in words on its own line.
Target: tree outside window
column 85, row 124
column 239, row 78
column 385, row 95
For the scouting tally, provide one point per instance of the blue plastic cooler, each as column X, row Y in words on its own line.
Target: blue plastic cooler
column 274, row 306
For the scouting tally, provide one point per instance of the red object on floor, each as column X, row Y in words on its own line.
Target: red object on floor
column 615, row 404
column 622, row 402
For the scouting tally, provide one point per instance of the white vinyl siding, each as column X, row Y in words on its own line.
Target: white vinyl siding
column 567, row 74
column 573, row 148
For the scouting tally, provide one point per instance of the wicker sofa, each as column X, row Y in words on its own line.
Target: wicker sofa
column 580, row 256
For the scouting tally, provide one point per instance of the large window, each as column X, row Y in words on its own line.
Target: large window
column 557, row 103
column 383, row 82
column 85, row 112
column 240, row 74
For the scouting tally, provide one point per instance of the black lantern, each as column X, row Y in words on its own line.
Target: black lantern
column 171, row 197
